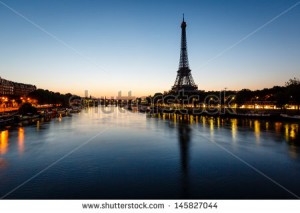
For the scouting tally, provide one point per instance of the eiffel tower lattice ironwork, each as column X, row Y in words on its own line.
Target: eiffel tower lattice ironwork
column 184, row 80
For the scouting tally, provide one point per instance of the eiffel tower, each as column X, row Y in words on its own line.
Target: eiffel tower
column 184, row 80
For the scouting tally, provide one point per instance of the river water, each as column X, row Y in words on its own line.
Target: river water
column 107, row 153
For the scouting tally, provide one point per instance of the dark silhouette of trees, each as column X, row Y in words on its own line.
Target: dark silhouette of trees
column 148, row 100
column 49, row 97
column 281, row 96
column 27, row 108
column 243, row 96
column 293, row 91
column 157, row 97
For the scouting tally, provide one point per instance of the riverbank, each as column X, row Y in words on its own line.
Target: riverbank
column 14, row 118
column 9, row 109
column 186, row 113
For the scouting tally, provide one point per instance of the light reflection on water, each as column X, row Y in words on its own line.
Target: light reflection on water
column 257, row 130
column 290, row 131
column 234, row 129
column 21, row 139
column 4, row 142
column 141, row 156
column 287, row 132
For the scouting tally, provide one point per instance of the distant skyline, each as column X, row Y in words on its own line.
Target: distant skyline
column 134, row 45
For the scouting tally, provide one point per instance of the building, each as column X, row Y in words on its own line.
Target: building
column 6, row 87
column 23, row 89
column 13, row 88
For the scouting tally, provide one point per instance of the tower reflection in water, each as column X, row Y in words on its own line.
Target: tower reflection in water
column 184, row 138
column 262, row 130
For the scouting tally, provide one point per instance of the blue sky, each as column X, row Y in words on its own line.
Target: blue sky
column 130, row 45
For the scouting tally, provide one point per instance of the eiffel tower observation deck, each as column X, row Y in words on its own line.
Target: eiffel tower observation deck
column 184, row 80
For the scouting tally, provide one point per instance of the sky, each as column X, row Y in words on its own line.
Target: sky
column 134, row 45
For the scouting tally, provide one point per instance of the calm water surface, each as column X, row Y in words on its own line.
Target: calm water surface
column 95, row 155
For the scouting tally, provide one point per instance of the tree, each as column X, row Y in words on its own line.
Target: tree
column 138, row 101
column 293, row 91
column 243, row 96
column 49, row 97
column 292, row 82
column 281, row 99
column 27, row 108
column 157, row 97
column 149, row 100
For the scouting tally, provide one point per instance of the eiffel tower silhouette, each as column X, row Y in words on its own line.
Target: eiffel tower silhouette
column 184, row 80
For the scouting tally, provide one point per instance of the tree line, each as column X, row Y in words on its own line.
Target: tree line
column 49, row 97
column 279, row 95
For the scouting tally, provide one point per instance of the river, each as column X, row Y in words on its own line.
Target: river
column 108, row 153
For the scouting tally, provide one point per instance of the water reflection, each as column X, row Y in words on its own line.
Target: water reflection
column 21, row 139
column 234, row 129
column 211, row 124
column 250, row 123
column 293, row 131
column 292, row 134
column 37, row 125
column 267, row 125
column 4, row 142
column 204, row 121
column 279, row 131
column 3, row 163
column 257, row 130
column 218, row 122
column 154, row 157
column 293, row 152
column 184, row 138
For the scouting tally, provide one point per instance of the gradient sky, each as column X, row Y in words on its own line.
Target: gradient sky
column 130, row 45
